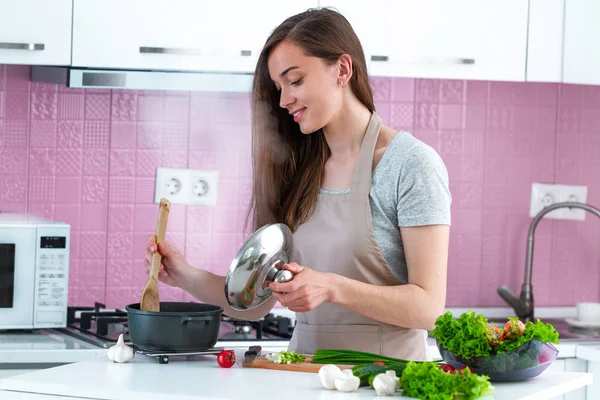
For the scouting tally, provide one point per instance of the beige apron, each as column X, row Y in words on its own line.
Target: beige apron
column 338, row 238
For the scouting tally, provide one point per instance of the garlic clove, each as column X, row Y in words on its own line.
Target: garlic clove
column 328, row 374
column 347, row 382
column 386, row 384
column 111, row 353
column 392, row 374
column 120, row 352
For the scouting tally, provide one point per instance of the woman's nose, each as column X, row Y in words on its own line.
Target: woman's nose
column 285, row 99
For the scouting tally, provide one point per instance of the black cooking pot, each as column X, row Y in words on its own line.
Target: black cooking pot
column 177, row 327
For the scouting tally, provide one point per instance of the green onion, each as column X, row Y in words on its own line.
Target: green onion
column 352, row 357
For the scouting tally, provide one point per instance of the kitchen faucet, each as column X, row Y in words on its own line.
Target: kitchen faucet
column 523, row 305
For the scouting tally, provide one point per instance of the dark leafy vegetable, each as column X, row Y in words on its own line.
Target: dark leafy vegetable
column 427, row 381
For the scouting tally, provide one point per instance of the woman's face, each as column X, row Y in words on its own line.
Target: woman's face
column 308, row 86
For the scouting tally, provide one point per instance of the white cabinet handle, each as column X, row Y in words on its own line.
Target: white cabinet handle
column 188, row 52
column 425, row 60
column 21, row 46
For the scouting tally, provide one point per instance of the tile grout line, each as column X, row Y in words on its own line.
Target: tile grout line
column 486, row 131
column 110, row 100
column 555, row 172
column 185, row 220
column 28, row 143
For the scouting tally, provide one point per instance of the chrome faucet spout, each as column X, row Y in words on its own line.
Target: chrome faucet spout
column 523, row 305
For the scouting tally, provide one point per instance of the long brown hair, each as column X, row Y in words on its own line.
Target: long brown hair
column 287, row 164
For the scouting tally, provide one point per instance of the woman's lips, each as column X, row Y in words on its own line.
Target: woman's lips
column 298, row 114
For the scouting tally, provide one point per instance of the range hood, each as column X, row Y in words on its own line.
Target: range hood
column 143, row 80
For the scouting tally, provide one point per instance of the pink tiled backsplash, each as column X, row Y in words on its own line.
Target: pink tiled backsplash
column 88, row 157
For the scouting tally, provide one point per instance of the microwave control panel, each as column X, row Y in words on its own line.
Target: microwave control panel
column 52, row 276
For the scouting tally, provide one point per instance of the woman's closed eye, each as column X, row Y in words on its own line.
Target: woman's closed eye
column 296, row 83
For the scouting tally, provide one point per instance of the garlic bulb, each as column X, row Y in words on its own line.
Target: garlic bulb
column 120, row 352
column 347, row 382
column 328, row 374
column 386, row 384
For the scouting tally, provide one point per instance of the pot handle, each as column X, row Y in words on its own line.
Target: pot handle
column 206, row 319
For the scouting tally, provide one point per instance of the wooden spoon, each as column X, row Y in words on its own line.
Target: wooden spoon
column 150, row 300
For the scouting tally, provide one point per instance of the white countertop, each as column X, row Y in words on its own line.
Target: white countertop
column 44, row 346
column 144, row 378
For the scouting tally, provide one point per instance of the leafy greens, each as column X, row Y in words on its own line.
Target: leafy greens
column 469, row 335
column 427, row 381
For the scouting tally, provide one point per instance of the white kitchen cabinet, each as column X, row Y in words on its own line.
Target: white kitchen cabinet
column 593, row 390
column 557, row 366
column 35, row 32
column 457, row 39
column 582, row 51
column 545, row 40
column 577, row 365
column 223, row 36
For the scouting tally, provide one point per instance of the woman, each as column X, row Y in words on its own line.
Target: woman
column 369, row 206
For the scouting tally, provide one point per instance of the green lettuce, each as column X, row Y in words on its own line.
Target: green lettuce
column 533, row 331
column 469, row 335
column 465, row 336
column 426, row 380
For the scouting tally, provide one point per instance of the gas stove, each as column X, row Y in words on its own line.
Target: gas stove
column 101, row 326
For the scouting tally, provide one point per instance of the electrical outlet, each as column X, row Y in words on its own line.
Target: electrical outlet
column 203, row 186
column 543, row 195
column 171, row 184
column 575, row 194
column 186, row 186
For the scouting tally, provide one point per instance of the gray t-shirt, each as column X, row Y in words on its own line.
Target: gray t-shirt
column 409, row 187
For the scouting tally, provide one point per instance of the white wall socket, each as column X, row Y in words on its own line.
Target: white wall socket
column 186, row 186
column 544, row 194
column 203, row 187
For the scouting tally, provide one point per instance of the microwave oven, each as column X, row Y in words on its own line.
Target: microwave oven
column 34, row 272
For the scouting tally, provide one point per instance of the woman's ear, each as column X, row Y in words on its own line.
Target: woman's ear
column 344, row 69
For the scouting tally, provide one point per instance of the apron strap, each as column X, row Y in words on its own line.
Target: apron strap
column 361, row 181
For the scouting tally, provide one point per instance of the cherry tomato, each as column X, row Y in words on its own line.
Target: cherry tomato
column 226, row 358
column 379, row 363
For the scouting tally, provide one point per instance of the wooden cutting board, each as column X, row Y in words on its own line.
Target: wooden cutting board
column 305, row 366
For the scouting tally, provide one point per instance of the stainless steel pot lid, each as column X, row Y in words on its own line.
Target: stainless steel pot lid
column 258, row 263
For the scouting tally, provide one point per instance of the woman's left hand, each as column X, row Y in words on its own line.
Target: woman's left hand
column 308, row 290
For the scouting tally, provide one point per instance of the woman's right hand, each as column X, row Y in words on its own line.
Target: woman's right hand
column 173, row 267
